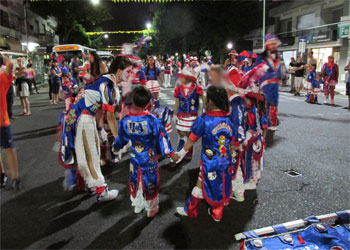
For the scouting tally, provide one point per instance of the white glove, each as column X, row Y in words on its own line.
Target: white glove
column 103, row 135
column 182, row 153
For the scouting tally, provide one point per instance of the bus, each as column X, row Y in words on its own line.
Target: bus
column 105, row 55
column 68, row 51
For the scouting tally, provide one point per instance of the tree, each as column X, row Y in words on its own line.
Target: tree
column 74, row 18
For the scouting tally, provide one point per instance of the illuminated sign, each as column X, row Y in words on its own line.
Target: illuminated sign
column 66, row 48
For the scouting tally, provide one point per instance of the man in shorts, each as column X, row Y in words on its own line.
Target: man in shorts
column 6, row 140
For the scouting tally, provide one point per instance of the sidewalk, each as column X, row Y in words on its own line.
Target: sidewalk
column 339, row 89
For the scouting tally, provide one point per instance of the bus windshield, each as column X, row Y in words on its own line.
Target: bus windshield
column 68, row 55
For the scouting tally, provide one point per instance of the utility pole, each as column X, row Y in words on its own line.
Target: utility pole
column 25, row 22
column 263, row 36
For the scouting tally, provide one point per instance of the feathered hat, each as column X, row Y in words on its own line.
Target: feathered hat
column 272, row 39
column 233, row 52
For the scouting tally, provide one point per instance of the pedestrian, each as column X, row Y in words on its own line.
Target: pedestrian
column 347, row 68
column 311, row 76
column 204, row 71
column 31, row 76
column 186, row 108
column 330, row 73
column 214, row 183
column 76, row 70
column 64, row 68
column 299, row 75
column 80, row 135
column 6, row 139
column 48, row 69
column 310, row 62
column 292, row 74
column 232, row 60
column 23, row 87
column 56, row 74
column 147, row 135
column 152, row 73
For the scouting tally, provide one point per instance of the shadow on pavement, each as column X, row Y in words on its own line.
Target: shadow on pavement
column 35, row 214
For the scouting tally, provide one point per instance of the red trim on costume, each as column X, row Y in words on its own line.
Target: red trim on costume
column 86, row 112
column 217, row 113
column 100, row 190
column 193, row 137
column 107, row 107
column 171, row 154
column 192, row 78
column 186, row 115
column 139, row 114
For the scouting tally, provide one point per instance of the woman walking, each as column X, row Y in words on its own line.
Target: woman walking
column 56, row 81
column 22, row 87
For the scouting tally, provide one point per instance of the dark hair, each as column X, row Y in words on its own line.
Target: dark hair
column 29, row 65
column 154, row 68
column 119, row 62
column 218, row 95
column 141, row 96
column 95, row 66
column 1, row 60
column 64, row 74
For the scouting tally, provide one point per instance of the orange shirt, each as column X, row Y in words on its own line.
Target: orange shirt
column 5, row 84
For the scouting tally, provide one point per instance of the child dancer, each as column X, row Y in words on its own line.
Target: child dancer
column 316, row 84
column 254, row 143
column 187, row 96
column 152, row 73
column 311, row 76
column 215, row 176
column 146, row 134
column 237, row 104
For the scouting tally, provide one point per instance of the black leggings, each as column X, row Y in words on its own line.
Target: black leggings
column 55, row 87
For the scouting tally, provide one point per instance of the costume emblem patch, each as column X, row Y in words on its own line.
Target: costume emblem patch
column 132, row 169
column 193, row 101
column 212, row 176
column 151, row 155
column 139, row 147
column 209, row 153
column 222, row 147
column 257, row 146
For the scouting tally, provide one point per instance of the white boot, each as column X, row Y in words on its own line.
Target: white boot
column 107, row 195
column 181, row 211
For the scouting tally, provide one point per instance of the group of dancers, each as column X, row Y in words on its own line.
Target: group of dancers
column 237, row 109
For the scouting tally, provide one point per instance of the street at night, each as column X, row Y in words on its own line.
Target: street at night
column 175, row 124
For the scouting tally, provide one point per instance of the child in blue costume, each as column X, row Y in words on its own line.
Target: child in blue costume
column 146, row 134
column 216, row 167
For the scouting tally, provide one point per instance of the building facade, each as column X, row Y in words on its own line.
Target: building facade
column 324, row 24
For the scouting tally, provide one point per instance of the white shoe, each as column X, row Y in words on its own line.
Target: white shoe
column 273, row 128
column 209, row 212
column 325, row 101
column 237, row 197
column 251, row 185
column 108, row 195
column 181, row 211
column 138, row 210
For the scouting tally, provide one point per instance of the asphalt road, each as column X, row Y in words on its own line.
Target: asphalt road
column 313, row 140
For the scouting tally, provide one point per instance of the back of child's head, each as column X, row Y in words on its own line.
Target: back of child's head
column 141, row 96
column 219, row 97
column 64, row 74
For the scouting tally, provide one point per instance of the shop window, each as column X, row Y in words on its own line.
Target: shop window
column 306, row 21
column 321, row 56
column 4, row 19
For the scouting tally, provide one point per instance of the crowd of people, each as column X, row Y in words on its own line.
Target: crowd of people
column 112, row 108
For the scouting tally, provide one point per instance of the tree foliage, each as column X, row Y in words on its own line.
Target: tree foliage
column 74, row 18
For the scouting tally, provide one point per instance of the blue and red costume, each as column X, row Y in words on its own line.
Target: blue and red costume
column 147, row 135
column 269, row 84
column 216, row 167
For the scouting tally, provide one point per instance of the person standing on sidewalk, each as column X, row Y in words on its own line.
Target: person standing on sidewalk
column 299, row 75
column 330, row 73
column 23, row 87
column 292, row 74
column 6, row 140
column 347, row 68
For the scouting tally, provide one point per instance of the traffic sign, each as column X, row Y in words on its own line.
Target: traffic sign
column 302, row 44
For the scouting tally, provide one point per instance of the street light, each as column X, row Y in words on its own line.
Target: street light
column 105, row 36
column 95, row 2
column 229, row 45
column 148, row 25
